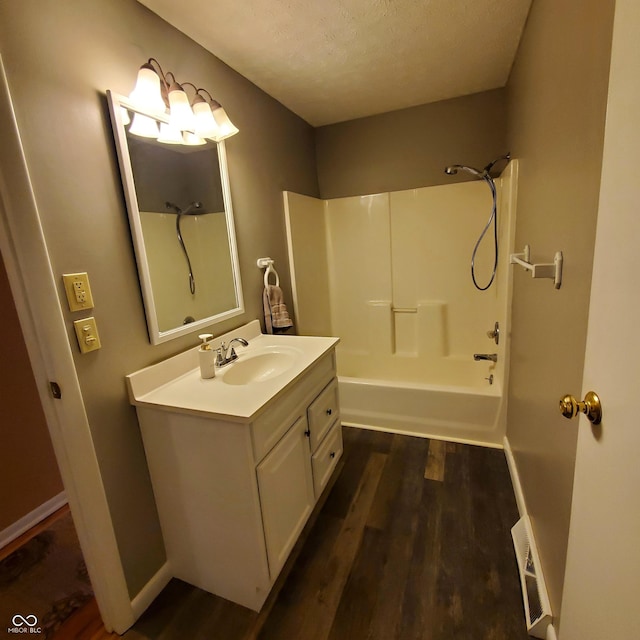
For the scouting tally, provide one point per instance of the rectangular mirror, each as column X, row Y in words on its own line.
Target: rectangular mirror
column 181, row 219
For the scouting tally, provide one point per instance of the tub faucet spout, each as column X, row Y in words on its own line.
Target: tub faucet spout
column 486, row 356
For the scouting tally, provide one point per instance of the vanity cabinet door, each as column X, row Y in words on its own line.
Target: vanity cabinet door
column 286, row 493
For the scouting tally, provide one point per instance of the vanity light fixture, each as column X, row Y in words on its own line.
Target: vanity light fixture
column 144, row 126
column 210, row 116
column 169, row 134
column 190, row 121
column 192, row 139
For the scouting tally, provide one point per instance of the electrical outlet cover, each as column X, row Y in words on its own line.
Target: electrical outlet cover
column 78, row 290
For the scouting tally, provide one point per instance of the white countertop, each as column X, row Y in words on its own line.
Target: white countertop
column 175, row 384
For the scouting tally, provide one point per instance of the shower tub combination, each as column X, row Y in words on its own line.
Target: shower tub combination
column 454, row 408
column 389, row 274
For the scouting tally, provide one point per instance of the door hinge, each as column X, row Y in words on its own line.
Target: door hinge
column 56, row 392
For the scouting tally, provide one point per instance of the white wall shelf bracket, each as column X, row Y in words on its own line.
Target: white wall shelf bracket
column 552, row 270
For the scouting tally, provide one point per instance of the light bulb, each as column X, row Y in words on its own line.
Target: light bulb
column 205, row 126
column 147, row 94
column 169, row 134
column 226, row 127
column 192, row 139
column 124, row 116
column 144, row 126
column 180, row 113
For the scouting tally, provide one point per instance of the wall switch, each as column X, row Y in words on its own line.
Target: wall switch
column 78, row 290
column 87, row 334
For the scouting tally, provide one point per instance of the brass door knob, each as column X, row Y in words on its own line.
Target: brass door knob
column 590, row 406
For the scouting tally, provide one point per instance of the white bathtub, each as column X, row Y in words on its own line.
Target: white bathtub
column 407, row 401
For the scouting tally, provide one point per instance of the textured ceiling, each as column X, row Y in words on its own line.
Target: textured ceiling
column 335, row 60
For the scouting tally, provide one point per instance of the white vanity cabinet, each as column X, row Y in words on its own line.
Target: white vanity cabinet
column 233, row 494
column 293, row 475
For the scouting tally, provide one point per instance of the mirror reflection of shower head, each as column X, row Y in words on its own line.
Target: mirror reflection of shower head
column 192, row 208
column 183, row 212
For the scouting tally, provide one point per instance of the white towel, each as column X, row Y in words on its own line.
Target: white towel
column 276, row 316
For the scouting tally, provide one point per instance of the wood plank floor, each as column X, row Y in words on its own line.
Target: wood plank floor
column 413, row 542
column 43, row 525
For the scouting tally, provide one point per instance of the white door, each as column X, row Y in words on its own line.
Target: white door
column 601, row 598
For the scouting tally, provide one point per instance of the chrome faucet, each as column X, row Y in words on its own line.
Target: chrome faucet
column 486, row 356
column 226, row 353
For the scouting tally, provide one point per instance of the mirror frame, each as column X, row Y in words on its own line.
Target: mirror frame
column 126, row 172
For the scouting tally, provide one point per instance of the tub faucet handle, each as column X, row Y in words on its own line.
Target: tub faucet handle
column 495, row 334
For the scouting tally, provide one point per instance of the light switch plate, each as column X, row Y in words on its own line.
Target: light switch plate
column 78, row 290
column 87, row 334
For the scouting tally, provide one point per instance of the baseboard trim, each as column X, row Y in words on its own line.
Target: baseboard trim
column 32, row 518
column 551, row 633
column 151, row 590
column 515, row 478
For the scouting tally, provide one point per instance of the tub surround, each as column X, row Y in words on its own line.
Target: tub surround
column 389, row 274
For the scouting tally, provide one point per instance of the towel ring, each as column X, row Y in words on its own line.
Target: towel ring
column 269, row 270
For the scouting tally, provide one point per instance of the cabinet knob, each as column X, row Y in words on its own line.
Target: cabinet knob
column 329, row 412
column 308, row 433
column 332, row 454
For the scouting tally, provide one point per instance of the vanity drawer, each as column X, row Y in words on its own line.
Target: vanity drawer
column 322, row 413
column 324, row 460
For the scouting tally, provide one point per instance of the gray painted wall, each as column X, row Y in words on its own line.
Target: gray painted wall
column 410, row 148
column 60, row 58
column 557, row 102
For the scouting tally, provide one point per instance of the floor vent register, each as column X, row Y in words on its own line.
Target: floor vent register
column 534, row 592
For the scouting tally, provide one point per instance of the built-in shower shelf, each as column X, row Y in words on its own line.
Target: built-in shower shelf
column 551, row 270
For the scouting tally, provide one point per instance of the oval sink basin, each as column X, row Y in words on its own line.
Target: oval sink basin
column 259, row 367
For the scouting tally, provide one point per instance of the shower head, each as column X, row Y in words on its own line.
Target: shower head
column 506, row 157
column 483, row 175
column 454, row 168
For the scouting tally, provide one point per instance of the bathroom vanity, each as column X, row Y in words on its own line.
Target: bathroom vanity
column 238, row 462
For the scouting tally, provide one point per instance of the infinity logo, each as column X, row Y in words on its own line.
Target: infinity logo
column 30, row 621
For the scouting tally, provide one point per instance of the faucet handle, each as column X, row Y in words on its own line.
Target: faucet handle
column 495, row 334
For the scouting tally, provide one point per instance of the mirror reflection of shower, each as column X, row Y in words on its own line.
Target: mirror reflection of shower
column 484, row 174
column 190, row 210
